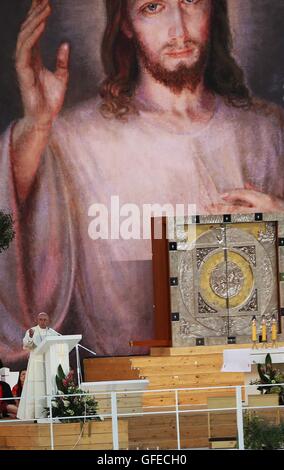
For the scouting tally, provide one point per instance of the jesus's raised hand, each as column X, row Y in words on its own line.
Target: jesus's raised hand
column 42, row 90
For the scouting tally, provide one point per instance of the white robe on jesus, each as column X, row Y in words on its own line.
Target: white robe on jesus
column 103, row 288
column 32, row 403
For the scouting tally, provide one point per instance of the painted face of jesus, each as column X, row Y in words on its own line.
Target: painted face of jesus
column 172, row 38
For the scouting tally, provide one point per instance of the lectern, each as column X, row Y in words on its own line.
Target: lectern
column 55, row 350
column 42, row 369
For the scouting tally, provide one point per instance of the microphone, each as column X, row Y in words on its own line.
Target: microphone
column 51, row 329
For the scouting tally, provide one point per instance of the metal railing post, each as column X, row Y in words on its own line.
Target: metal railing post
column 240, row 420
column 78, row 366
column 114, row 419
column 177, row 420
column 51, row 423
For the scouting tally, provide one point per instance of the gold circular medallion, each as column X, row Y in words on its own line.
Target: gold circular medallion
column 224, row 281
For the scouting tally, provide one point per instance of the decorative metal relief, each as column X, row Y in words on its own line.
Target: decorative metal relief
column 227, row 280
column 201, row 254
column 203, row 307
column 249, row 251
column 252, row 304
column 184, row 328
column 225, row 277
column 268, row 235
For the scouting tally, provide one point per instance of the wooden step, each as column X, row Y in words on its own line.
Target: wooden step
column 109, row 369
column 185, row 398
column 200, row 350
column 178, row 370
column 199, row 380
column 110, row 376
column 108, row 360
column 179, row 361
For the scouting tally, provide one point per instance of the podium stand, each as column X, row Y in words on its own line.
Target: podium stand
column 41, row 373
column 56, row 351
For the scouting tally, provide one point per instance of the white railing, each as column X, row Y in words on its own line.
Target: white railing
column 176, row 409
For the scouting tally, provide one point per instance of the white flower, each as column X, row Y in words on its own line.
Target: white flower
column 66, row 403
column 54, row 404
column 70, row 412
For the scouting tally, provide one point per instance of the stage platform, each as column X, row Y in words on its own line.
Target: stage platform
column 171, row 368
column 166, row 369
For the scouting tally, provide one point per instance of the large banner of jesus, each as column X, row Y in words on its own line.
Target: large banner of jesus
column 113, row 111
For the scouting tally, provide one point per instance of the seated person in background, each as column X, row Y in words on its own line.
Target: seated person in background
column 17, row 389
column 8, row 408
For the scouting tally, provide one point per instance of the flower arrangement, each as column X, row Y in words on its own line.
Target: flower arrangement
column 68, row 405
column 270, row 377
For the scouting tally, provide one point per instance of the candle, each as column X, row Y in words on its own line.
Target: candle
column 263, row 331
column 274, row 330
column 253, row 330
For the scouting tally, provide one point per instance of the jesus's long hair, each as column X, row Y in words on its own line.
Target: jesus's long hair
column 223, row 75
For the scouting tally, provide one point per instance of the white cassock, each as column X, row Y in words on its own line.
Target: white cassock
column 32, row 404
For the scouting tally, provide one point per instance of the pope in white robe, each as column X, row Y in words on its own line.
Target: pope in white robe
column 32, row 402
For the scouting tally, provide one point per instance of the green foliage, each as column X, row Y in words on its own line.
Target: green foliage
column 6, row 231
column 59, row 379
column 66, row 406
column 270, row 376
column 259, row 434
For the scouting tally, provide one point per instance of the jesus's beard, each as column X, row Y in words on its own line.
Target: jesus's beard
column 179, row 79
